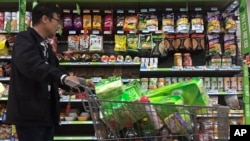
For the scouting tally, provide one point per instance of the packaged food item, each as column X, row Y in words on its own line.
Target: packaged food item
column 7, row 18
column 177, row 59
column 120, row 19
column 120, row 42
column 73, row 42
column 213, row 100
column 120, row 58
column 84, row 42
column 168, row 21
column 220, row 84
column 142, row 19
column 233, row 81
column 87, row 20
column 131, row 21
column 152, row 20
column 132, row 42
column 108, row 22
column 13, row 21
column 182, row 22
column 227, row 83
column 1, row 20
column 145, row 41
column 170, row 43
column 158, row 45
column 187, row 60
column 96, row 43
column 197, row 21
column 28, row 17
column 229, row 45
column 97, row 20
column 214, row 83
column 214, row 45
column 198, row 42
column 183, row 43
column 67, row 21
column 152, row 83
column 230, row 23
column 77, row 22
column 207, row 83
column 240, row 83
column 214, row 22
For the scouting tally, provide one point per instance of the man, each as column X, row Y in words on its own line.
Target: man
column 33, row 102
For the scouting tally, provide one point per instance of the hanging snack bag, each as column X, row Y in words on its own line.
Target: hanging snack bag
column 96, row 43
column 120, row 19
column 152, row 20
column 120, row 42
column 84, row 41
column 183, row 43
column 168, row 21
column 230, row 23
column 130, row 22
column 97, row 20
column 132, row 42
column 73, row 43
column 1, row 20
column 13, row 21
column 214, row 45
column 158, row 45
column 229, row 45
column 169, row 43
column 142, row 20
column 67, row 21
column 145, row 41
column 108, row 22
column 214, row 24
column 198, row 42
column 87, row 20
column 182, row 23
column 197, row 22
column 77, row 21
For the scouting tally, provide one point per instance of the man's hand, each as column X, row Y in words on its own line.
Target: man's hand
column 72, row 81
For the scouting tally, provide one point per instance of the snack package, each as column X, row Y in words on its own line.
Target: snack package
column 142, row 20
column 67, row 21
column 182, row 22
column 168, row 21
column 182, row 43
column 198, row 42
column 145, row 41
column 130, row 23
column 170, row 43
column 158, row 46
column 87, row 20
column 96, row 43
column 230, row 23
column 214, row 22
column 197, row 21
column 120, row 42
column 120, row 19
column 1, row 20
column 192, row 92
column 132, row 42
column 73, row 43
column 84, row 42
column 108, row 22
column 152, row 20
column 77, row 22
column 229, row 45
column 13, row 21
column 232, row 101
column 97, row 22
column 214, row 45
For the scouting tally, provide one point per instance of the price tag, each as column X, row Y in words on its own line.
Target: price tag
column 176, row 68
column 212, row 91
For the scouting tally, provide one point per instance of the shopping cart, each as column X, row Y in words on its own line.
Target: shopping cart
column 143, row 121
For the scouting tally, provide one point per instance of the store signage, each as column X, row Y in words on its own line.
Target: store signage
column 244, row 24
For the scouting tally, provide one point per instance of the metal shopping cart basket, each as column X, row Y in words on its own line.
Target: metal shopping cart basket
column 137, row 121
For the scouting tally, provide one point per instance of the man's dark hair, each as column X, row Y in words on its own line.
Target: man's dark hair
column 46, row 9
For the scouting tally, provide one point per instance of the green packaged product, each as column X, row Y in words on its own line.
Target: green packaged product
column 191, row 91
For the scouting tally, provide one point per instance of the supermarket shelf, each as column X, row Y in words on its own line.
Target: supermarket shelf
column 5, row 57
column 3, row 98
column 3, row 31
column 70, row 64
column 66, row 99
column 67, row 138
column 181, row 72
column 4, row 78
column 75, row 122
column 224, row 93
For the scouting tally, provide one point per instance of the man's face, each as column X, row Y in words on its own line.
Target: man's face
column 53, row 25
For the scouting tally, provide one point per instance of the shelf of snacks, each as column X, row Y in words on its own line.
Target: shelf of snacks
column 75, row 122
column 66, row 138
